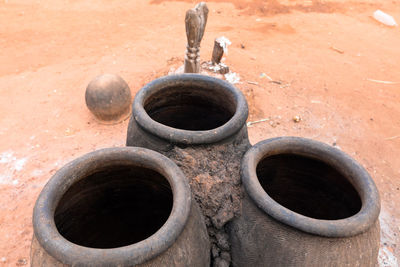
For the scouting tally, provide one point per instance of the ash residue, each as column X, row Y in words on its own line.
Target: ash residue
column 213, row 173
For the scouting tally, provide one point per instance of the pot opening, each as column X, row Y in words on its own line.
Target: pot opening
column 308, row 186
column 191, row 108
column 116, row 207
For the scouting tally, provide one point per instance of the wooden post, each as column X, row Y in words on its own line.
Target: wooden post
column 218, row 52
column 220, row 46
column 195, row 22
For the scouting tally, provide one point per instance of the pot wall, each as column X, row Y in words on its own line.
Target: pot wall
column 259, row 240
column 190, row 249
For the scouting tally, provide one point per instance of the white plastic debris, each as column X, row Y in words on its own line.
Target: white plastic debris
column 384, row 18
column 217, row 67
column 224, row 43
column 232, row 77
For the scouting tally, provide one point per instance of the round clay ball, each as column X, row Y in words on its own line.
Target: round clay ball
column 108, row 97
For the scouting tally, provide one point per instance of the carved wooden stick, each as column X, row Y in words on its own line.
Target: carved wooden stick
column 195, row 22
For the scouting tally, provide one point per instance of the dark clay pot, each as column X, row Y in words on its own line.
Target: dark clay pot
column 199, row 122
column 305, row 204
column 119, row 207
column 186, row 110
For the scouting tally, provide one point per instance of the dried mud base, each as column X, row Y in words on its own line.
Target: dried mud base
column 214, row 177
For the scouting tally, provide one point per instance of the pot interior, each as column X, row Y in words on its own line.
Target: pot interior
column 308, row 186
column 116, row 207
column 191, row 108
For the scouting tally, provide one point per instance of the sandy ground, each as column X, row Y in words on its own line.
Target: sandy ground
column 322, row 58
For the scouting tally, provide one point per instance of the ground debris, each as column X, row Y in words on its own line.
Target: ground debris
column 250, row 123
column 281, row 84
column 340, row 51
column 393, row 137
column 297, row 118
column 220, row 68
column 251, row 82
column 273, row 121
column 22, row 262
column 384, row 18
column 232, row 77
column 383, row 82
column 263, row 75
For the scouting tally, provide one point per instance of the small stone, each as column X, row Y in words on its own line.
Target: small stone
column 222, row 239
column 296, row 119
column 242, row 46
column 215, row 251
column 218, row 262
column 273, row 124
column 223, row 216
column 226, row 256
column 21, row 262
column 208, row 222
column 69, row 132
column 3, row 259
column 211, row 231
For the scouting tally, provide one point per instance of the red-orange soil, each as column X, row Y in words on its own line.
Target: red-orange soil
column 323, row 58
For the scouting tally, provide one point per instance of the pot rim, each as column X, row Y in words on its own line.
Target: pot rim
column 67, row 252
column 187, row 137
column 348, row 167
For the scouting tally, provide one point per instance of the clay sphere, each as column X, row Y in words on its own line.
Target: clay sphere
column 108, row 97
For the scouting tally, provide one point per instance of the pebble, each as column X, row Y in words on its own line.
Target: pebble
column 21, row 262
column 296, row 118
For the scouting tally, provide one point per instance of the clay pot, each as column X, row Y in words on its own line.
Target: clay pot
column 199, row 122
column 187, row 110
column 118, row 207
column 305, row 204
